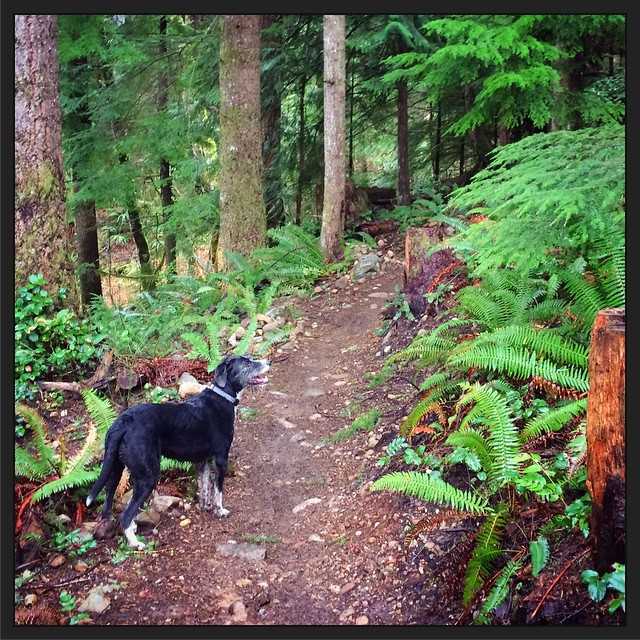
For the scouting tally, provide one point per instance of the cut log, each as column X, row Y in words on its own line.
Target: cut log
column 606, row 438
column 422, row 273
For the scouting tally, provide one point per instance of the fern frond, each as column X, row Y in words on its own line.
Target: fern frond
column 499, row 592
column 543, row 341
column 486, row 550
column 422, row 486
column 553, row 420
column 518, row 363
column 102, row 412
column 168, row 464
column 502, row 440
column 77, row 477
column 44, row 452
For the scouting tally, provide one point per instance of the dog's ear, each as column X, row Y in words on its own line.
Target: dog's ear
column 220, row 374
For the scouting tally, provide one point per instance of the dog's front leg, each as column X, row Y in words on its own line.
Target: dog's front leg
column 205, row 485
column 219, row 470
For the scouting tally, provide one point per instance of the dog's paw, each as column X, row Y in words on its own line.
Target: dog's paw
column 222, row 512
column 138, row 544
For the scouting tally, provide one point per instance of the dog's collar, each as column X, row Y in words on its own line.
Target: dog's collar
column 216, row 389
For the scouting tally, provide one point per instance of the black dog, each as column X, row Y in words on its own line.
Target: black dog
column 199, row 430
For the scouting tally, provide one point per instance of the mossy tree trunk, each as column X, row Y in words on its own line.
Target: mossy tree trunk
column 242, row 211
column 79, row 122
column 404, row 188
column 88, row 256
column 44, row 239
column 334, row 137
column 301, row 150
column 166, row 187
column 436, row 144
column 271, row 84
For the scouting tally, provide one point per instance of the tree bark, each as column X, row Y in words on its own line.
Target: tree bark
column 301, row 151
column 144, row 256
column 404, row 187
column 85, row 210
column 43, row 237
column 88, row 256
column 166, row 188
column 606, row 438
column 461, row 170
column 271, row 118
column 242, row 211
column 334, row 137
column 351, row 101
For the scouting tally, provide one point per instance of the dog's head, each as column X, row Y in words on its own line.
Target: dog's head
column 238, row 372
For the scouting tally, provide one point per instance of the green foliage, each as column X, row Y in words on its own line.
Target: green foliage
column 49, row 339
column 424, row 487
column 575, row 514
column 70, row 542
column 539, row 550
column 365, row 422
column 500, row 591
column 597, row 585
column 40, row 461
column 554, row 420
column 544, row 210
column 485, row 552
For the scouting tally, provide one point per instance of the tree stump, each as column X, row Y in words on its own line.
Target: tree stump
column 606, row 438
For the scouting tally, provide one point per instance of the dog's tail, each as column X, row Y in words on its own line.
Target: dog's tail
column 111, row 445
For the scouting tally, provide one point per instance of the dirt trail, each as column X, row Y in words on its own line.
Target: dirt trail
column 337, row 561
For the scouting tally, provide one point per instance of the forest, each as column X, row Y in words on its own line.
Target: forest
column 419, row 220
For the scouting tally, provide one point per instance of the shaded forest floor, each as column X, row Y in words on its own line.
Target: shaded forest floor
column 323, row 550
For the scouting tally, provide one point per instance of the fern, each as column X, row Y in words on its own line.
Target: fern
column 40, row 464
column 502, row 440
column 168, row 464
column 544, row 342
column 518, row 363
column 553, row 420
column 422, row 486
column 486, row 550
column 101, row 411
column 499, row 592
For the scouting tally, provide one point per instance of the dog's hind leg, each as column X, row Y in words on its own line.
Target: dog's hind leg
column 110, row 488
column 204, row 471
column 143, row 486
column 219, row 470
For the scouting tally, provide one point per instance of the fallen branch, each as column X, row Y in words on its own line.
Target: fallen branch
column 555, row 582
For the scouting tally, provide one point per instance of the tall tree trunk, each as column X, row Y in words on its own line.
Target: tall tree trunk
column 334, row 125
column 43, row 238
column 404, row 187
column 166, row 188
column 271, row 117
column 144, row 256
column 503, row 135
column 85, row 210
column 242, row 212
column 351, row 101
column 301, row 151
column 87, row 245
column 436, row 146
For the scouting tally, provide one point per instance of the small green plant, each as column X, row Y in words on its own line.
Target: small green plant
column 536, row 479
column 575, row 515
column 19, row 581
column 258, row 538
column 365, row 422
column 123, row 551
column 71, row 543
column 539, row 550
column 597, row 585
column 68, row 606
column 248, row 413
column 160, row 394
